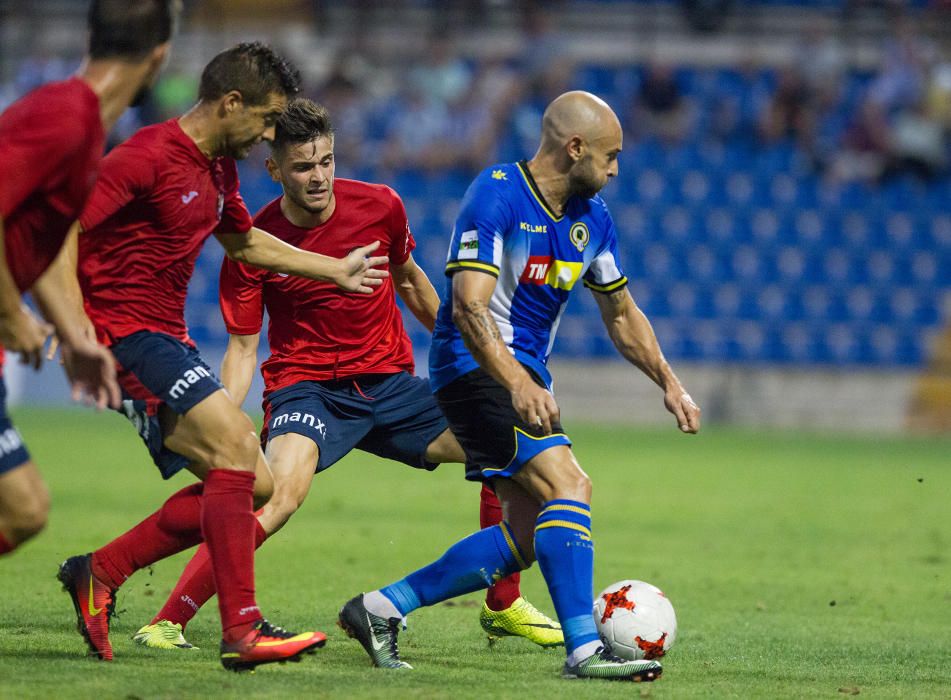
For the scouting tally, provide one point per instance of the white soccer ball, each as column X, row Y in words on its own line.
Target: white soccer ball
column 635, row 619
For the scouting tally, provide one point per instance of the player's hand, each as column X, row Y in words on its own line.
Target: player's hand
column 24, row 333
column 535, row 405
column 358, row 273
column 91, row 370
column 684, row 409
column 88, row 330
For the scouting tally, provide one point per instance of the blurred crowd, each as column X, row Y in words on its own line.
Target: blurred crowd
column 435, row 109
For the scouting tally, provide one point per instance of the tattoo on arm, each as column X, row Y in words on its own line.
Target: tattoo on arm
column 478, row 327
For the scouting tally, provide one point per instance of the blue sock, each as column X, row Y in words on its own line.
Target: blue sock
column 476, row 562
column 565, row 554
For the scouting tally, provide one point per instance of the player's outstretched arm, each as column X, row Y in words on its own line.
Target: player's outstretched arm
column 633, row 336
column 354, row 273
column 471, row 292
column 20, row 330
column 90, row 367
column 417, row 292
column 238, row 365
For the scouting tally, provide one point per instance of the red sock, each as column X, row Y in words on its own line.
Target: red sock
column 505, row 591
column 174, row 527
column 228, row 523
column 5, row 546
column 196, row 585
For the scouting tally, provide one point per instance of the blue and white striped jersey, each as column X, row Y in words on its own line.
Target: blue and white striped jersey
column 506, row 229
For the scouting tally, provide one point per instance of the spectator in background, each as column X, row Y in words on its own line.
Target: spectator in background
column 864, row 147
column 660, row 109
column 917, row 144
column 346, row 94
column 417, row 126
column 791, row 112
column 820, row 59
column 539, row 93
column 939, row 95
column 901, row 79
column 737, row 101
column 443, row 76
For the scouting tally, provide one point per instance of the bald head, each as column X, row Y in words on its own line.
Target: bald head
column 577, row 113
column 581, row 140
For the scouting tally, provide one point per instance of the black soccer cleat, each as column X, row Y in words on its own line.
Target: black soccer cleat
column 376, row 634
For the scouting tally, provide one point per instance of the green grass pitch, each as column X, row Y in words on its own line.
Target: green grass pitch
column 799, row 566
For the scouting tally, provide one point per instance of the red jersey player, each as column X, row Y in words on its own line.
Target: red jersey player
column 340, row 372
column 160, row 195
column 51, row 142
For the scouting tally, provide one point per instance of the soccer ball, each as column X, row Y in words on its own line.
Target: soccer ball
column 635, row 619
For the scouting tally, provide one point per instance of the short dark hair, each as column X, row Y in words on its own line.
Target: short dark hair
column 302, row 122
column 253, row 69
column 127, row 29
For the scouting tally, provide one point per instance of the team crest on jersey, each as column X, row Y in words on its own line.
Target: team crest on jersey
column 579, row 235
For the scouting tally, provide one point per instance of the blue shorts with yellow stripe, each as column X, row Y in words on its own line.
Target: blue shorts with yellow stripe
column 496, row 440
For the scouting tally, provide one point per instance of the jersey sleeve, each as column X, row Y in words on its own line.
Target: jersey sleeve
column 235, row 217
column 241, row 297
column 126, row 173
column 484, row 221
column 605, row 273
column 402, row 242
column 34, row 145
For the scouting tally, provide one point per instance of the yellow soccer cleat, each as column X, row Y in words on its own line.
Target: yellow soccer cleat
column 522, row 619
column 162, row 635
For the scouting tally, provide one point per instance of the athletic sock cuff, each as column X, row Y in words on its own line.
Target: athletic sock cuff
column 572, row 515
column 579, row 630
column 238, row 478
column 403, row 597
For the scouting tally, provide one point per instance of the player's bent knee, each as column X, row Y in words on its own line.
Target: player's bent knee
column 263, row 492
column 583, row 487
column 235, row 449
column 30, row 519
column 574, row 485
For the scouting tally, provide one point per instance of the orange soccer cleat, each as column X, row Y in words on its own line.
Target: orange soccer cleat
column 94, row 602
column 265, row 643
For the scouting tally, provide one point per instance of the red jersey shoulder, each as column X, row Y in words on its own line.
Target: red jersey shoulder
column 46, row 136
column 357, row 189
column 69, row 105
column 154, row 137
column 269, row 215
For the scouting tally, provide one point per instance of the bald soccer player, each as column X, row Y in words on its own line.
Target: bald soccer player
column 527, row 233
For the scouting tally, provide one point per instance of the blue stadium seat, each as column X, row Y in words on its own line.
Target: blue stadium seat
column 738, row 251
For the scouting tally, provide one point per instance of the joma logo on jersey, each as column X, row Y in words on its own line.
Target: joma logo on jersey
column 298, row 417
column 543, row 269
column 192, row 376
column 533, row 228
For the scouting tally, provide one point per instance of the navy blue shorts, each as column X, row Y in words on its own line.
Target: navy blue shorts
column 496, row 440
column 156, row 369
column 394, row 416
column 12, row 450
